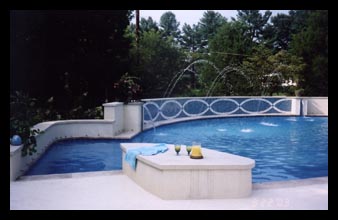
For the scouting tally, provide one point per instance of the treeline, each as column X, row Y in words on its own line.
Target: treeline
column 78, row 60
column 252, row 54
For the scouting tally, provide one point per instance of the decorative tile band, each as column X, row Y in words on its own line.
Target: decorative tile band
column 156, row 110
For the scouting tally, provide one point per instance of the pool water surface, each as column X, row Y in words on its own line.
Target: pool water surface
column 284, row 148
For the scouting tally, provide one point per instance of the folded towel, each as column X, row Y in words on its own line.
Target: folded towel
column 131, row 154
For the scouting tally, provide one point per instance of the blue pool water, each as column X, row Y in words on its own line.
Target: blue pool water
column 283, row 147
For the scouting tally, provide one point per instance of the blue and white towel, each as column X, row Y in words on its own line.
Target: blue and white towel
column 131, row 154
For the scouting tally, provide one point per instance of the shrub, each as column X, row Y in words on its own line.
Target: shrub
column 24, row 114
column 127, row 89
column 299, row 92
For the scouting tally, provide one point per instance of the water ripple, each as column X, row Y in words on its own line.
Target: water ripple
column 293, row 149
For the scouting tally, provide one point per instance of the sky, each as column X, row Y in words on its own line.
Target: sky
column 192, row 16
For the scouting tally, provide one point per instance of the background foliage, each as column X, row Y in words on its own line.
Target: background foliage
column 65, row 63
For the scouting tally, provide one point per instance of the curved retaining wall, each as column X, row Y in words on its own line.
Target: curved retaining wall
column 120, row 121
column 54, row 131
column 169, row 110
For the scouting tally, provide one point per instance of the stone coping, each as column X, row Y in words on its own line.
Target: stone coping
column 235, row 97
column 218, row 97
column 14, row 149
column 113, row 104
column 212, row 159
column 291, row 183
column 45, row 125
column 70, row 175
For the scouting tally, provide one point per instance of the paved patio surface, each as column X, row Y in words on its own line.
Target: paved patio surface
column 114, row 190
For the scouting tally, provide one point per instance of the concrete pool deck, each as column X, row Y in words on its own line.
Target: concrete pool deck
column 114, row 190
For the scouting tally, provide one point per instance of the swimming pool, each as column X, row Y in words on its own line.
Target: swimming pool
column 284, row 147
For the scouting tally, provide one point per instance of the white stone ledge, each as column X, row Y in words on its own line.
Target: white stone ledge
column 45, row 125
column 212, row 159
column 308, row 97
column 15, row 149
column 217, row 175
column 112, row 104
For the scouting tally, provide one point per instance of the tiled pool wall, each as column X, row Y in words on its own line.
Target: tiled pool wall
column 170, row 110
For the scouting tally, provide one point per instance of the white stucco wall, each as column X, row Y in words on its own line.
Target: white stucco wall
column 127, row 117
column 133, row 117
column 316, row 106
column 118, row 118
column 54, row 131
column 295, row 106
column 15, row 161
column 114, row 111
